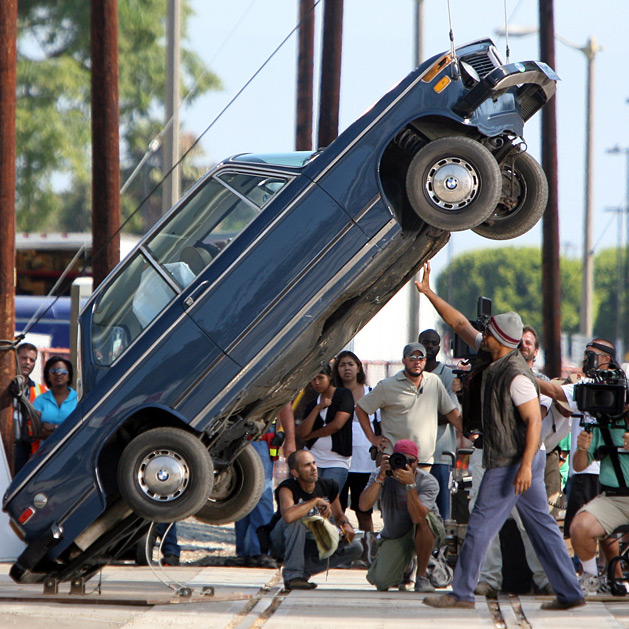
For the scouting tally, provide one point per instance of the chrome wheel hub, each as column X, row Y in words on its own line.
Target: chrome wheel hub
column 163, row 475
column 452, row 183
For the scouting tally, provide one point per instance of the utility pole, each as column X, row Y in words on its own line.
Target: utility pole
column 8, row 88
column 171, row 190
column 305, row 69
column 418, row 48
column 551, row 280
column 418, row 57
column 587, row 287
column 105, row 138
column 330, row 72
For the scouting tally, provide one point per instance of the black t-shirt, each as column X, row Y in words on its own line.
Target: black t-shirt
column 324, row 488
column 342, row 402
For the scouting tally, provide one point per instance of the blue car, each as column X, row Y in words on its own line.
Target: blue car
column 268, row 266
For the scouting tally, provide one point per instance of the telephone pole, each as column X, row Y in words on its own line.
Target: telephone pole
column 330, row 72
column 551, row 280
column 305, row 66
column 8, row 88
column 105, row 138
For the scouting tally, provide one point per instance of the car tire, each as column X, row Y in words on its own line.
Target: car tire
column 141, row 556
column 237, row 490
column 523, row 200
column 453, row 183
column 165, row 474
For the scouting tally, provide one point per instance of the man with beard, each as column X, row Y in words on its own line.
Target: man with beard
column 304, row 494
column 514, row 465
column 409, row 402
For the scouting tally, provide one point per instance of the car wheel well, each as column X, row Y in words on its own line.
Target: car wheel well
column 135, row 424
column 397, row 158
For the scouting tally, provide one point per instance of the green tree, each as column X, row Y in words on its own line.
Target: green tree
column 606, row 279
column 53, row 108
column 511, row 277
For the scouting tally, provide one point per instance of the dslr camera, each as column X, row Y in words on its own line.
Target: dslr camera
column 398, row 461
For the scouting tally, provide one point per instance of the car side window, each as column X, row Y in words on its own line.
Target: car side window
column 130, row 303
column 200, row 230
column 183, row 245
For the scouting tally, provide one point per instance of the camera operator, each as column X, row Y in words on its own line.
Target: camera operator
column 601, row 516
column 412, row 525
column 513, row 462
column 584, row 482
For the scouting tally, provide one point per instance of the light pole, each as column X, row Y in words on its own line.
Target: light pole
column 587, row 282
column 619, row 278
column 618, row 150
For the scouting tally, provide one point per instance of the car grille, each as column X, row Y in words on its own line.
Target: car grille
column 481, row 62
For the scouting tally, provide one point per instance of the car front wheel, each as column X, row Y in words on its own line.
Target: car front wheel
column 453, row 183
column 165, row 474
column 237, row 490
column 522, row 202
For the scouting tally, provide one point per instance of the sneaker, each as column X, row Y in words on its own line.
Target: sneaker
column 170, row 560
column 299, row 583
column 557, row 605
column 486, row 589
column 446, row 600
column 422, row 584
column 589, row 584
column 263, row 561
column 603, row 585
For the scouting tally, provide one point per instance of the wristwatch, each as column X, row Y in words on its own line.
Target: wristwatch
column 411, row 487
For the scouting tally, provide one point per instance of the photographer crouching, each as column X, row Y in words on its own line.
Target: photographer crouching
column 606, row 440
column 412, row 525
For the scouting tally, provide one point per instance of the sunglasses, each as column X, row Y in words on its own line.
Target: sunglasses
column 60, row 371
column 415, row 357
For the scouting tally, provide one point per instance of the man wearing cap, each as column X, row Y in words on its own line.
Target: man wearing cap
column 412, row 525
column 409, row 402
column 514, row 465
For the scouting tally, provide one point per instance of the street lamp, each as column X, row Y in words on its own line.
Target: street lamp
column 619, row 278
column 587, row 287
column 618, row 150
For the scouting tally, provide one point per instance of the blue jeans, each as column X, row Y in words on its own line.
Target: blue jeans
column 295, row 545
column 496, row 499
column 441, row 471
column 169, row 544
column 339, row 474
column 247, row 544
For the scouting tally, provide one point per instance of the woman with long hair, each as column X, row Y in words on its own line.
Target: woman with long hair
column 349, row 373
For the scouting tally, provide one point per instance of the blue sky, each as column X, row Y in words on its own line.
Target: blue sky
column 234, row 38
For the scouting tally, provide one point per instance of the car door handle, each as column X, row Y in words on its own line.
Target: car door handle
column 193, row 296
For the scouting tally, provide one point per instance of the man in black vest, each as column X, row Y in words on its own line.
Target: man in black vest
column 511, row 425
column 304, row 494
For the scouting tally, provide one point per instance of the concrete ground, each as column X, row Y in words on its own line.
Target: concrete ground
column 136, row 597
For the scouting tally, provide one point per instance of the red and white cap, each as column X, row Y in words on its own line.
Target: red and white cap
column 506, row 328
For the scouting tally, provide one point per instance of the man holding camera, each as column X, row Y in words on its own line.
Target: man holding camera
column 585, row 482
column 514, row 465
column 412, row 525
column 605, row 513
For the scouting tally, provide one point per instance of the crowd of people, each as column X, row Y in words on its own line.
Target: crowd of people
column 387, row 447
column 351, row 446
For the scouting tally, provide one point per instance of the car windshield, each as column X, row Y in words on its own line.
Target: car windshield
column 294, row 160
column 180, row 248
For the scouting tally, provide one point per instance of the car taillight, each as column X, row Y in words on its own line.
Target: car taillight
column 26, row 515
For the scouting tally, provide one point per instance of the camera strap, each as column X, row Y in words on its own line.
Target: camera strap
column 613, row 455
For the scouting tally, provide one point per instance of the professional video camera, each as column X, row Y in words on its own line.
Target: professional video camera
column 606, row 396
